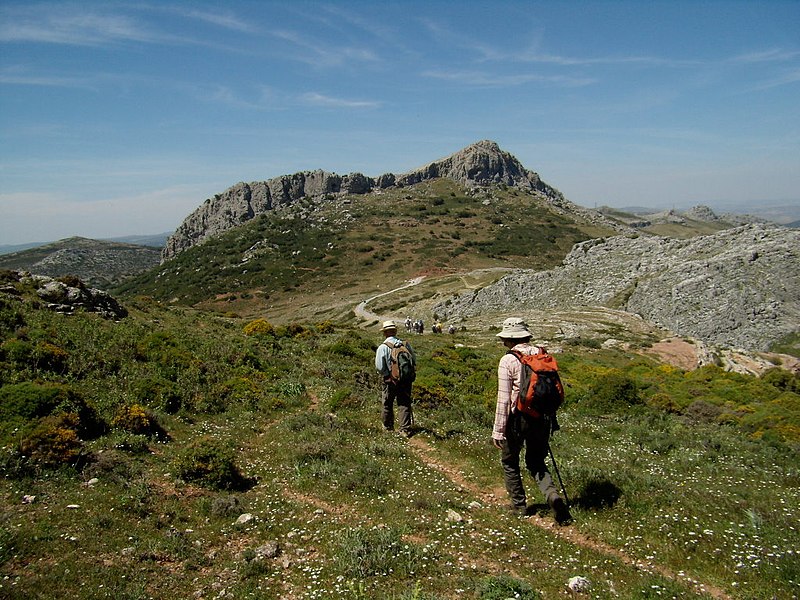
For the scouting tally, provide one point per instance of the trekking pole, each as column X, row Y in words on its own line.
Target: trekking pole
column 555, row 468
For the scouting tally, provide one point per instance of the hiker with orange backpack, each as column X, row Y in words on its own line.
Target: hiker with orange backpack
column 518, row 425
column 395, row 361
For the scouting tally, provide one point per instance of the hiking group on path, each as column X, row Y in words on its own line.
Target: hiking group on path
column 517, row 427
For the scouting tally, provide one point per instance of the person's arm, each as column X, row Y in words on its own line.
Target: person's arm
column 381, row 362
column 504, row 387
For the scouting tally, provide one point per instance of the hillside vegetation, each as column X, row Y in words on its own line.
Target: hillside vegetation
column 179, row 453
column 326, row 255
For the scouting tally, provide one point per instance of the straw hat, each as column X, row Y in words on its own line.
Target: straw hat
column 389, row 325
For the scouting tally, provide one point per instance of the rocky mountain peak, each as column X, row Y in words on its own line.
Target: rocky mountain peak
column 480, row 164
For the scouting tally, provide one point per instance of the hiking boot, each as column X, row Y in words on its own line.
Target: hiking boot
column 562, row 514
column 518, row 509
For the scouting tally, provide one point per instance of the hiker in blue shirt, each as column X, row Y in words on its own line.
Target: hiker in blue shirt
column 396, row 387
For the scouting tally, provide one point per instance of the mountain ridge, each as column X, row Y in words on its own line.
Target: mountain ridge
column 478, row 165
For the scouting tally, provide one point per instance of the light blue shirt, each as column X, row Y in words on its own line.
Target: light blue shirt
column 383, row 355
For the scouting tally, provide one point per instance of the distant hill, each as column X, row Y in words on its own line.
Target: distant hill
column 737, row 288
column 156, row 240
column 698, row 220
column 100, row 264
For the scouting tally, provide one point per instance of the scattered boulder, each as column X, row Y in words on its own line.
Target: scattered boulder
column 66, row 295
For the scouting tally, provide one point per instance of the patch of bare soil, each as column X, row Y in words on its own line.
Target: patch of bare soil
column 676, row 352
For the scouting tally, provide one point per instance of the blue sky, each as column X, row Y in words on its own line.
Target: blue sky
column 120, row 118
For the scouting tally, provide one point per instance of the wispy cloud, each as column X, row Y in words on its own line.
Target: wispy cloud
column 65, row 25
column 770, row 55
column 21, row 76
column 316, row 99
column 226, row 21
column 485, row 79
column 787, row 78
column 324, row 55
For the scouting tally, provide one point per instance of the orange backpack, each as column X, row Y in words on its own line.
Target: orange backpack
column 540, row 388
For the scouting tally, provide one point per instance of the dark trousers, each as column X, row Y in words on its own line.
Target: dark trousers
column 532, row 434
column 401, row 394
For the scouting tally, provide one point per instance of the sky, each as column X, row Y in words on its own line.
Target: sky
column 121, row 118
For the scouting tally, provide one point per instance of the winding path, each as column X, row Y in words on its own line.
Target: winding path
column 362, row 312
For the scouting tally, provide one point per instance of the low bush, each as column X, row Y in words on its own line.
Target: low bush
column 428, row 394
column 137, row 420
column 613, row 391
column 259, row 327
column 54, row 442
column 210, row 463
column 22, row 404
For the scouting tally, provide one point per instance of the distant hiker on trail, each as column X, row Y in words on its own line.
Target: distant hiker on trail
column 396, row 362
column 408, row 324
column 514, row 429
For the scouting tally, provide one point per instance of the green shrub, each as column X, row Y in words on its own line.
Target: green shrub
column 782, row 379
column 326, row 327
column 24, row 402
column 428, row 395
column 259, row 327
column 210, row 463
column 159, row 393
column 11, row 317
column 137, row 420
column 613, row 391
column 54, row 442
column 35, row 356
column 238, row 391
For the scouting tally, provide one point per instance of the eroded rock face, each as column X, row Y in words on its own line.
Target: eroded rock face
column 66, row 296
column 480, row 164
column 737, row 288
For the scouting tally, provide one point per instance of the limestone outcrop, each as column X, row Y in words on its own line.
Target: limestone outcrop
column 66, row 295
column 737, row 288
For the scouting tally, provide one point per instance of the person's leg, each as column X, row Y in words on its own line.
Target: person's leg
column 537, row 444
column 387, row 414
column 404, row 412
column 537, row 440
column 509, row 459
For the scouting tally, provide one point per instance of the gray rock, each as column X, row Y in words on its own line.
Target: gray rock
column 738, row 288
column 67, row 298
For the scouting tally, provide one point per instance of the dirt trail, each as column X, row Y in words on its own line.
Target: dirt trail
column 570, row 534
column 362, row 312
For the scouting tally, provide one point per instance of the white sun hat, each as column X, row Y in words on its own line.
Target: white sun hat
column 514, row 327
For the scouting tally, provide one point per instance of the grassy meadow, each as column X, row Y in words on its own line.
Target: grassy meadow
column 185, row 454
